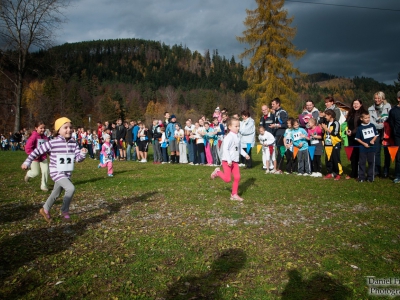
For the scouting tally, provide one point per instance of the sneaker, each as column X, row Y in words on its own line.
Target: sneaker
column 313, row 174
column 396, row 180
column 337, row 177
column 164, row 162
column 264, row 167
column 299, row 174
column 277, row 172
column 66, row 217
column 360, row 180
column 215, row 173
column 319, row 174
column 286, row 173
column 196, row 164
column 45, row 214
column 44, row 189
column 98, row 166
column 110, row 175
column 267, row 172
column 347, row 177
column 191, row 163
column 306, row 174
column 329, row 176
column 143, row 160
column 236, row 197
column 26, row 178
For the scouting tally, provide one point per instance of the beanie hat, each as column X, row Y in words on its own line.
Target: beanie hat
column 60, row 122
column 173, row 116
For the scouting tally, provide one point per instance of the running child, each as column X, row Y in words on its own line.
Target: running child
column 64, row 151
column 107, row 155
column 267, row 140
column 36, row 139
column 230, row 159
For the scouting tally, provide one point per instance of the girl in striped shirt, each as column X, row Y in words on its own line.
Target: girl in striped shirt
column 64, row 151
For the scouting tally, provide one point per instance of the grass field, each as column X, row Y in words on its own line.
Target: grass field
column 169, row 232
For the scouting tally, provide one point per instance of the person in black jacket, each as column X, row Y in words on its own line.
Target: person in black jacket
column 279, row 127
column 120, row 139
column 267, row 119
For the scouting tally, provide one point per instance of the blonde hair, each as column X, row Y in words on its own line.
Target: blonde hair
column 381, row 95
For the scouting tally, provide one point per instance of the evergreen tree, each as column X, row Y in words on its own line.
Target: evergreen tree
column 270, row 36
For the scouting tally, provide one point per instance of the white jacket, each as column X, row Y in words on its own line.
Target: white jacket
column 231, row 148
column 247, row 132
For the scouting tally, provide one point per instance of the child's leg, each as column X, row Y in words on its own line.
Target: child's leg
column 236, row 178
column 289, row 161
column 34, row 171
column 69, row 188
column 208, row 154
column 267, row 155
column 335, row 157
column 226, row 175
column 307, row 165
column 44, row 167
column 371, row 166
column 264, row 156
column 110, row 167
column 53, row 196
column 361, row 166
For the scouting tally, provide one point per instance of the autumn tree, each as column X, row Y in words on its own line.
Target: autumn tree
column 269, row 36
column 25, row 24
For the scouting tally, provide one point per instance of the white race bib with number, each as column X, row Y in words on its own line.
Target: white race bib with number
column 40, row 142
column 368, row 133
column 65, row 162
column 314, row 142
column 296, row 136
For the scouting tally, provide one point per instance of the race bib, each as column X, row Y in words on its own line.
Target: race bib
column 40, row 142
column 314, row 141
column 288, row 141
column 328, row 141
column 296, row 136
column 368, row 133
column 65, row 162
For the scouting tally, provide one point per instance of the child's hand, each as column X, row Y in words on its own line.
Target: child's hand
column 230, row 164
column 300, row 145
column 24, row 167
column 366, row 145
column 247, row 157
column 372, row 142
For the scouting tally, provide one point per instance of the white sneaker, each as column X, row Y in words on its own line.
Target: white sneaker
column 318, row 174
column 143, row 160
column 299, row 174
column 267, row 172
column 306, row 174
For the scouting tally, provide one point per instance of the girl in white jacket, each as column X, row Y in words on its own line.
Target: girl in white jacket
column 230, row 159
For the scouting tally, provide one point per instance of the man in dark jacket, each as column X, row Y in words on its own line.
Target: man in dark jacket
column 120, row 136
column 267, row 119
column 279, row 127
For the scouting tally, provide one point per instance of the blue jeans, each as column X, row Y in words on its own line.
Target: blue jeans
column 128, row 151
column 191, row 150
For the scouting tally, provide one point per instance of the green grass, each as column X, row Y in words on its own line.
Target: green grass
column 169, row 232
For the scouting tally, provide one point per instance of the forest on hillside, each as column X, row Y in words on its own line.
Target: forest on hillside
column 140, row 79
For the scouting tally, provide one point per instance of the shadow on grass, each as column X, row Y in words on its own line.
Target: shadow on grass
column 207, row 285
column 320, row 286
column 14, row 212
column 245, row 185
column 20, row 250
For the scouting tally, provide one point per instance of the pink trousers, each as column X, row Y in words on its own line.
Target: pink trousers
column 208, row 154
column 228, row 172
column 109, row 165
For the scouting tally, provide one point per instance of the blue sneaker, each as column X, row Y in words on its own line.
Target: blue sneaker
column 110, row 175
column 98, row 166
column 396, row 180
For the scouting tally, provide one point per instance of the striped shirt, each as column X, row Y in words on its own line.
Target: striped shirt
column 57, row 146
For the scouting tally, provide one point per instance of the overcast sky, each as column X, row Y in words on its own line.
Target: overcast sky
column 339, row 40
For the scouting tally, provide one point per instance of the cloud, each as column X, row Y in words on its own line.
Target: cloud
column 341, row 41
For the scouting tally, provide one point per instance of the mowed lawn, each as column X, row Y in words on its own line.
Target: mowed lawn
column 169, row 232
